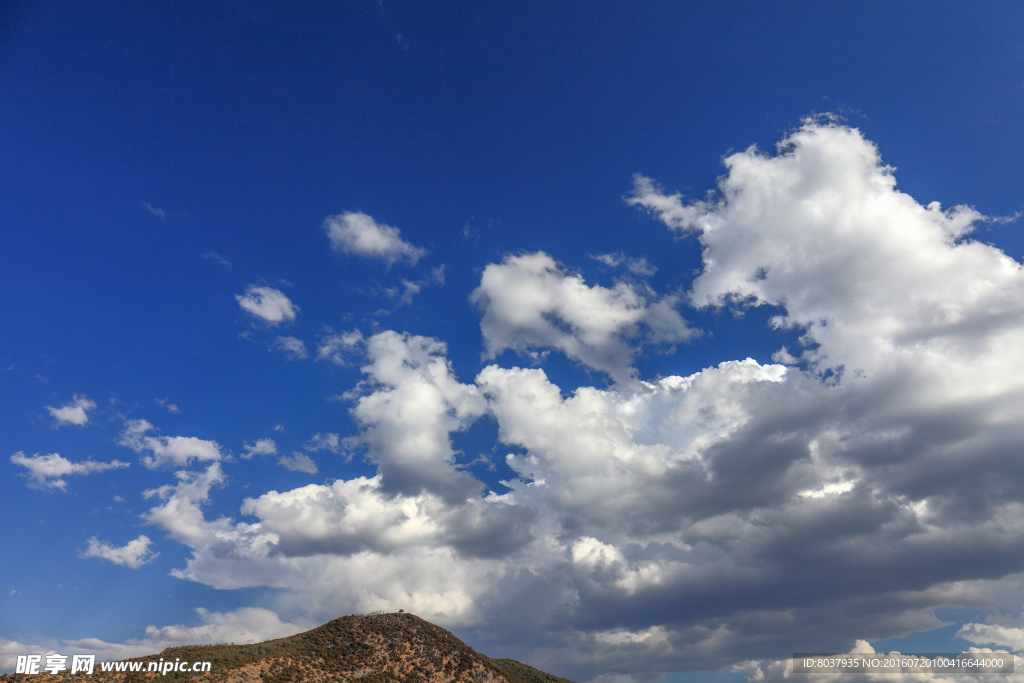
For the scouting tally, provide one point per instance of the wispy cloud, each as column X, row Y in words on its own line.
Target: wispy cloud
column 293, row 347
column 171, row 407
column 217, row 259
column 298, row 462
column 638, row 266
column 48, row 471
column 159, row 213
column 339, row 347
column 325, row 442
column 359, row 234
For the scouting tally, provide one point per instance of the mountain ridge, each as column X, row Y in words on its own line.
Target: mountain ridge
column 394, row 647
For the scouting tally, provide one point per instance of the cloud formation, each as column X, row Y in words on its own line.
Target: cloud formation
column 356, row 233
column 132, row 555
column 531, row 304
column 241, row 626
column 268, row 304
column 74, row 413
column 293, row 347
column 260, row 447
column 48, row 471
column 244, row 625
column 166, row 451
column 638, row 266
column 725, row 517
column 993, row 634
column 298, row 462
column 338, row 348
column 406, row 419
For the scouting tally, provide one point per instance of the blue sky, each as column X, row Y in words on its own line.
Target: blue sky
column 626, row 336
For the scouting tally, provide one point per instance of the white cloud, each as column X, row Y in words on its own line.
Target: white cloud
column 638, row 266
column 10, row 650
column 48, row 471
column 338, row 347
column 293, row 347
column 244, row 625
column 821, row 230
column 531, row 303
column 73, row 413
column 325, row 442
column 993, row 634
column 172, row 451
column 132, row 555
column 356, row 233
column 181, row 515
column 298, row 462
column 414, row 405
column 171, row 407
column 268, row 304
column 261, row 447
column 729, row 516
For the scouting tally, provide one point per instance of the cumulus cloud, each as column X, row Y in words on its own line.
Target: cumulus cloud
column 270, row 305
column 531, row 304
column 356, row 516
column 728, row 516
column 73, row 413
column 181, row 515
column 356, row 233
column 293, row 347
column 820, row 230
column 166, row 451
column 132, row 555
column 48, row 471
column 406, row 418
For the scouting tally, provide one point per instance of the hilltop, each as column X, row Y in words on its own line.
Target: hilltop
column 382, row 648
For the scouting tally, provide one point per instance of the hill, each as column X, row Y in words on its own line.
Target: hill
column 382, row 648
